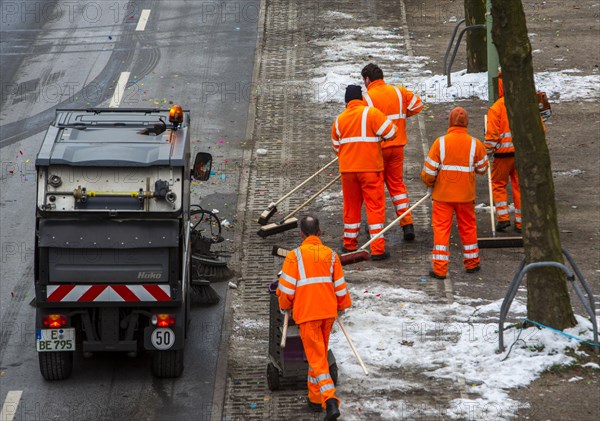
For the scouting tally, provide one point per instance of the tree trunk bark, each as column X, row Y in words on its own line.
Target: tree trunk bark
column 547, row 294
column 476, row 38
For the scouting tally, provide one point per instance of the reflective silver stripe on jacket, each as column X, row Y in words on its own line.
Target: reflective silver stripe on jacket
column 368, row 99
column 413, row 102
column 382, row 128
column 304, row 280
column 401, row 113
column 460, row 168
column 289, row 278
column 285, row 289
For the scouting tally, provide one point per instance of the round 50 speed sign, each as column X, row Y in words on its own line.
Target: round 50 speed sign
column 162, row 338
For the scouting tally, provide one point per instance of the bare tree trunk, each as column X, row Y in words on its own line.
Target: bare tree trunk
column 547, row 294
column 476, row 38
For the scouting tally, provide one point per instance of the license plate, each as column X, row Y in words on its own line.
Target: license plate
column 52, row 340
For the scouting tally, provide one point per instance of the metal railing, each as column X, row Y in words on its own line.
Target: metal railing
column 448, row 66
column 588, row 304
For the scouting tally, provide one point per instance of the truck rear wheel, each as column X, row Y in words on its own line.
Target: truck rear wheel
column 167, row 363
column 56, row 365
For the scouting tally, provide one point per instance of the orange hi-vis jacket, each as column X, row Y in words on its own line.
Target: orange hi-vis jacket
column 497, row 135
column 312, row 282
column 451, row 165
column 397, row 103
column 356, row 135
column 498, row 138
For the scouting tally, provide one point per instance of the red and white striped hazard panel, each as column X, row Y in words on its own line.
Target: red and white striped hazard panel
column 108, row 293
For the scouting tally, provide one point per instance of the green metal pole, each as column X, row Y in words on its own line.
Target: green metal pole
column 492, row 56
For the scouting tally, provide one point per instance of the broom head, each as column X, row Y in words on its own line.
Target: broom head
column 272, row 229
column 267, row 214
column 499, row 242
column 279, row 251
column 354, row 257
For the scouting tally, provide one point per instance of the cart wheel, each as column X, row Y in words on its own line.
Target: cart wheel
column 333, row 372
column 56, row 365
column 272, row 377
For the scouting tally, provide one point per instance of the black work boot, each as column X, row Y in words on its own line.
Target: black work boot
column 502, row 225
column 332, row 408
column 473, row 270
column 409, row 232
column 436, row 276
column 314, row 407
column 384, row 256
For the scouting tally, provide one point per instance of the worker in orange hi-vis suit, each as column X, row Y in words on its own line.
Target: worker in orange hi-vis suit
column 449, row 170
column 356, row 135
column 397, row 103
column 499, row 143
column 312, row 284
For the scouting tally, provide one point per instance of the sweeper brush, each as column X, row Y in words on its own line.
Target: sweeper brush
column 290, row 222
column 206, row 266
column 272, row 209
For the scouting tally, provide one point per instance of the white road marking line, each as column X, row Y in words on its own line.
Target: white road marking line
column 143, row 20
column 9, row 409
column 119, row 90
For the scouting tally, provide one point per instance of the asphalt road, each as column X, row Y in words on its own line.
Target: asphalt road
column 56, row 54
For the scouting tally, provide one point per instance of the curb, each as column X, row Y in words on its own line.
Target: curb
column 220, row 384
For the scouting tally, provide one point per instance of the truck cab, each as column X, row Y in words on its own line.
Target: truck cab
column 112, row 244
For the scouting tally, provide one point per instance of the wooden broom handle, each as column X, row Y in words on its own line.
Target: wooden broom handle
column 304, row 182
column 360, row 361
column 286, row 320
column 386, row 229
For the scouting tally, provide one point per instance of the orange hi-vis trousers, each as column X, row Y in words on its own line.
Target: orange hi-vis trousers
column 393, row 173
column 502, row 170
column 368, row 187
column 315, row 339
column 467, row 229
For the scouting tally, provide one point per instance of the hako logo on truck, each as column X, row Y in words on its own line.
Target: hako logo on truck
column 149, row 275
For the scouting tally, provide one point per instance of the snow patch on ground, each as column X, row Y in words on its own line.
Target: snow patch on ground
column 344, row 55
column 403, row 336
column 570, row 173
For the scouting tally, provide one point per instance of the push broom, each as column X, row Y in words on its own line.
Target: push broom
column 493, row 241
column 361, row 254
column 289, row 222
column 270, row 211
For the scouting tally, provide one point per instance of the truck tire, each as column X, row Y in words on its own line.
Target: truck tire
column 167, row 363
column 56, row 365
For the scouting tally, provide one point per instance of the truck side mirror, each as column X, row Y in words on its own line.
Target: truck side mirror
column 202, row 166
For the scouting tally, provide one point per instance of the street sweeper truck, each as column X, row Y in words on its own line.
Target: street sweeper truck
column 113, row 241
